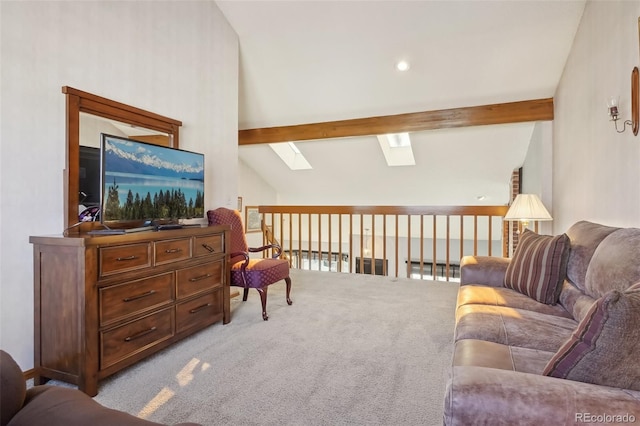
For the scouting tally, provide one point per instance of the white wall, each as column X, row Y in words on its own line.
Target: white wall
column 252, row 188
column 178, row 59
column 596, row 171
column 537, row 169
column 254, row 191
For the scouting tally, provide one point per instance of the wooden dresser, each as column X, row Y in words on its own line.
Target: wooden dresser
column 103, row 303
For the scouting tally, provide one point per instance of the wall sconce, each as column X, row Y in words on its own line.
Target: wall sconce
column 612, row 105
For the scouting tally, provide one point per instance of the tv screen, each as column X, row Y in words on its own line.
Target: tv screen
column 142, row 181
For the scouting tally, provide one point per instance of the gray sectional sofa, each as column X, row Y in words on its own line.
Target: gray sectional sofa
column 573, row 358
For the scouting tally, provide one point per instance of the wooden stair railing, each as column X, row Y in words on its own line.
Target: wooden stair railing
column 388, row 240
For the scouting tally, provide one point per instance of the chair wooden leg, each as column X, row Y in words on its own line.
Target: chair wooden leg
column 263, row 299
column 245, row 294
column 288, row 281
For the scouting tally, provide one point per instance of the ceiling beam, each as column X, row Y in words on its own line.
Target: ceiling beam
column 512, row 112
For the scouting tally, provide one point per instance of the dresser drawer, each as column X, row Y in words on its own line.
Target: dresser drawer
column 123, row 300
column 124, row 258
column 172, row 250
column 199, row 312
column 119, row 343
column 208, row 245
column 199, row 278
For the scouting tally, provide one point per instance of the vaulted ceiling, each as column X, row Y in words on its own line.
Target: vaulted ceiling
column 316, row 61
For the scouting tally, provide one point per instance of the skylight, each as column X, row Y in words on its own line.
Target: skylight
column 291, row 155
column 398, row 140
column 396, row 148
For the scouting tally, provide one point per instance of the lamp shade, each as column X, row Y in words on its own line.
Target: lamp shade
column 527, row 207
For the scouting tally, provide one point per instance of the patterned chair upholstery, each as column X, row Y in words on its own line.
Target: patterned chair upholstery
column 246, row 272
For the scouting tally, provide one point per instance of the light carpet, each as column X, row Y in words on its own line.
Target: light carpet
column 351, row 350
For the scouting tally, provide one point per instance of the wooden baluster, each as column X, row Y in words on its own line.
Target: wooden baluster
column 373, row 244
column 319, row 242
column 396, row 244
column 361, row 264
column 408, row 246
column 490, row 237
column 384, row 245
column 309, row 257
column 434, row 258
column 340, row 243
column 351, row 263
column 421, row 246
column 300, row 240
column 475, row 235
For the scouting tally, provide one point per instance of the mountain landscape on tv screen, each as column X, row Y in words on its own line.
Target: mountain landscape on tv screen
column 148, row 163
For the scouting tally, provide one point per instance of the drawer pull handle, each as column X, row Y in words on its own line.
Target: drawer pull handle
column 201, row 277
column 139, row 296
column 122, row 259
column 176, row 250
column 199, row 308
column 208, row 247
column 142, row 333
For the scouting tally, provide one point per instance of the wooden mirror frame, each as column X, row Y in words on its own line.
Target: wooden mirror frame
column 78, row 101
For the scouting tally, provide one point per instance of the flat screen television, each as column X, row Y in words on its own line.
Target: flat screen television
column 142, row 182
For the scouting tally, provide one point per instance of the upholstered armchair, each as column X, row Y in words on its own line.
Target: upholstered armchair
column 246, row 272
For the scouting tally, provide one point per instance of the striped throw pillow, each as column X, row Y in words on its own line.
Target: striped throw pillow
column 604, row 347
column 538, row 266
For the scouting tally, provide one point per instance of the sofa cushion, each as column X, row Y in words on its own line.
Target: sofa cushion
column 489, row 396
column 585, row 238
column 604, row 347
column 614, row 265
column 575, row 301
column 513, row 327
column 479, row 353
column 13, row 388
column 501, row 296
column 538, row 266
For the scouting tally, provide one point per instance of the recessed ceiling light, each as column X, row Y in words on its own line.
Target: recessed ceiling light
column 402, row 66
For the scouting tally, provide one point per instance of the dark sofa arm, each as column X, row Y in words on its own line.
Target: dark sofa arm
column 47, row 405
column 484, row 270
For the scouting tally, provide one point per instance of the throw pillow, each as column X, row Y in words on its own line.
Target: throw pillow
column 538, row 266
column 604, row 348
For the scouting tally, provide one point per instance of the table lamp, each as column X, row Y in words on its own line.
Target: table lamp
column 525, row 208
